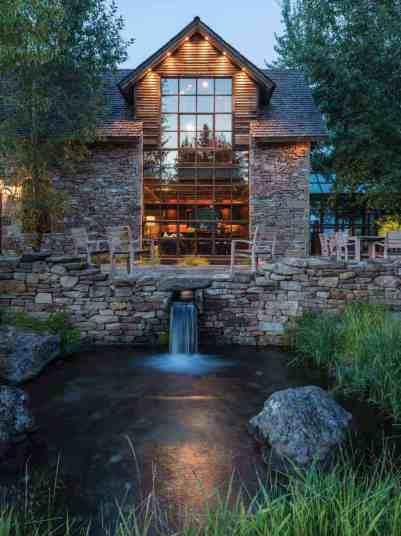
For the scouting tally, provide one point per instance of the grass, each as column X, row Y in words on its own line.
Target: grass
column 56, row 323
column 362, row 346
column 345, row 502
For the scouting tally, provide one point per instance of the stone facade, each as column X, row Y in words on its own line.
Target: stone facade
column 279, row 194
column 105, row 189
column 240, row 309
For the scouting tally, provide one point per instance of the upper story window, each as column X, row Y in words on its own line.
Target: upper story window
column 196, row 113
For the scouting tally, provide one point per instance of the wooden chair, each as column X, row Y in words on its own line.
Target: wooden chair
column 121, row 243
column 82, row 243
column 346, row 246
column 325, row 244
column 392, row 242
column 254, row 249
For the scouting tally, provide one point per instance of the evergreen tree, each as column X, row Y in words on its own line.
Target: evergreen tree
column 351, row 52
column 53, row 58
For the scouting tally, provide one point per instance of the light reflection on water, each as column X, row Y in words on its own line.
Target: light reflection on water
column 191, row 364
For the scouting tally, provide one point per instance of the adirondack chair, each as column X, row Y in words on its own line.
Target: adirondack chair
column 82, row 243
column 121, row 243
column 392, row 243
column 347, row 246
column 254, row 249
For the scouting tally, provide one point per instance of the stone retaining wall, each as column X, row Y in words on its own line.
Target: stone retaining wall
column 234, row 309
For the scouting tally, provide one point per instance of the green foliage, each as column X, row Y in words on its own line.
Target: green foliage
column 56, row 323
column 193, row 260
column 53, row 58
column 347, row 501
column 362, row 345
column 350, row 51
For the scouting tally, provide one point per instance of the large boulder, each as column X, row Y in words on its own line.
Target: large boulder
column 23, row 353
column 302, row 426
column 15, row 418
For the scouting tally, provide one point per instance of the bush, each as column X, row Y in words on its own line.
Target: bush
column 362, row 345
column 56, row 323
column 193, row 260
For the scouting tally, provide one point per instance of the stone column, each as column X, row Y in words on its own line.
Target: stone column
column 279, row 194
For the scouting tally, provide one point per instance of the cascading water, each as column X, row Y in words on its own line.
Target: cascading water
column 183, row 328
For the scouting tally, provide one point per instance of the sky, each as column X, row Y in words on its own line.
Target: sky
column 248, row 25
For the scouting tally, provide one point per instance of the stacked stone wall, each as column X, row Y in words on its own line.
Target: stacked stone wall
column 240, row 308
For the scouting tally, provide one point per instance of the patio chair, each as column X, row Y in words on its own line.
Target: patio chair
column 326, row 244
column 346, row 246
column 121, row 243
column 392, row 243
column 82, row 243
column 254, row 249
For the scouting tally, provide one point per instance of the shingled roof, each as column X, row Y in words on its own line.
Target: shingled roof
column 292, row 112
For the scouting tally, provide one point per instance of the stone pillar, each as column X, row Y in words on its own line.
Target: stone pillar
column 279, row 194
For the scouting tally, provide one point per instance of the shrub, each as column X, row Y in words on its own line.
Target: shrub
column 363, row 345
column 193, row 260
column 56, row 323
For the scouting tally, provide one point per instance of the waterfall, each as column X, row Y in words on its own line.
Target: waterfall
column 183, row 328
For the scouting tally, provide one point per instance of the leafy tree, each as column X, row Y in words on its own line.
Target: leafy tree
column 351, row 52
column 53, row 58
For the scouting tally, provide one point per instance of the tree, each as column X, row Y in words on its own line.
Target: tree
column 53, row 58
column 350, row 51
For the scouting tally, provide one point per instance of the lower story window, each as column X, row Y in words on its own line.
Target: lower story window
column 196, row 200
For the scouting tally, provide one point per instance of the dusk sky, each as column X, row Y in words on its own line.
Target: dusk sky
column 248, row 26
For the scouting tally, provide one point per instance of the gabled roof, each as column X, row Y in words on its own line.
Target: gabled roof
column 197, row 26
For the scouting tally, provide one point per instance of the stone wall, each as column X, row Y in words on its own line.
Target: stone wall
column 234, row 309
column 279, row 194
column 104, row 190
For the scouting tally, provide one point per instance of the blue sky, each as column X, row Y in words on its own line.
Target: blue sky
column 248, row 25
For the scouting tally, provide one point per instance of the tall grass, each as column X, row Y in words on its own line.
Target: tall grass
column 362, row 345
column 348, row 501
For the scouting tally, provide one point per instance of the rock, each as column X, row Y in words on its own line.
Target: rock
column 43, row 298
column 184, row 283
column 12, row 286
column 302, row 426
column 68, row 281
column 387, row 281
column 15, row 418
column 286, row 269
column 272, row 327
column 23, row 354
column 329, row 282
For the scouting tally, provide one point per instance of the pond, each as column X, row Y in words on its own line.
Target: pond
column 125, row 422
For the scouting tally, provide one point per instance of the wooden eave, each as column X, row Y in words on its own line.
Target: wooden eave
column 197, row 26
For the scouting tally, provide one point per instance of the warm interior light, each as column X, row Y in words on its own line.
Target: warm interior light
column 150, row 219
column 187, row 38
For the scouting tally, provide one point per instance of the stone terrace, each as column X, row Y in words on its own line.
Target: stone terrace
column 240, row 308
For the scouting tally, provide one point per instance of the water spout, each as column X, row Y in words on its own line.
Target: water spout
column 183, row 328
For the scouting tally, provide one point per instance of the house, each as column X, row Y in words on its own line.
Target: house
column 197, row 148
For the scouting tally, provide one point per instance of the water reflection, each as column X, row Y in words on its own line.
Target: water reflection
column 192, row 364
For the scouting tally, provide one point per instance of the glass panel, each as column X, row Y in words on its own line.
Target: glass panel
column 224, row 155
column 188, row 123
column 170, row 122
column 188, row 105
column 187, row 157
column 151, row 163
column 169, row 140
column 169, row 86
column 224, row 86
column 205, row 105
column 205, row 137
column 205, row 157
column 187, row 86
column 224, row 140
column 205, row 86
column 187, row 140
column 205, row 121
column 170, row 104
column 224, row 122
column 223, row 105
column 169, row 158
